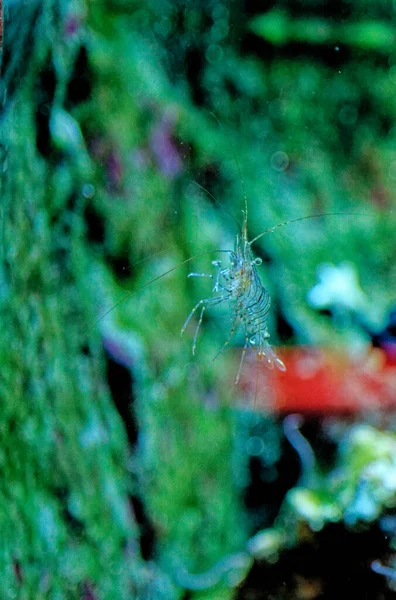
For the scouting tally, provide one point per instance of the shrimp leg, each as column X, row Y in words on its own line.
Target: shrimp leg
column 204, row 303
column 200, row 275
column 242, row 357
column 232, row 331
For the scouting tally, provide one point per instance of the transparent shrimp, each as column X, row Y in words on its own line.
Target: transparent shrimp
column 240, row 285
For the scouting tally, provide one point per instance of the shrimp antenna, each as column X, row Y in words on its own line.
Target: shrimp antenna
column 138, row 262
column 131, row 293
column 244, row 230
column 217, row 202
column 303, row 219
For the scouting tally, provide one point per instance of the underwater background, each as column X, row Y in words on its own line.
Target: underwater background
column 130, row 133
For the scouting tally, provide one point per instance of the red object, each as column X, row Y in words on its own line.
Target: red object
column 322, row 381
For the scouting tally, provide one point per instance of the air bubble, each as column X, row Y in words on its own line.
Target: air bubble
column 279, row 161
column 255, row 446
column 88, row 190
column 214, row 53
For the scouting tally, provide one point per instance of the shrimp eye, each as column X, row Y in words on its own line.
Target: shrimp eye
column 258, row 261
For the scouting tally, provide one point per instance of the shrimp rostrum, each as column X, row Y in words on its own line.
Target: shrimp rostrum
column 240, row 285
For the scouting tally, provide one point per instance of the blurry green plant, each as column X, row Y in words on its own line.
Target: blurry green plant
column 277, row 27
column 66, row 523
